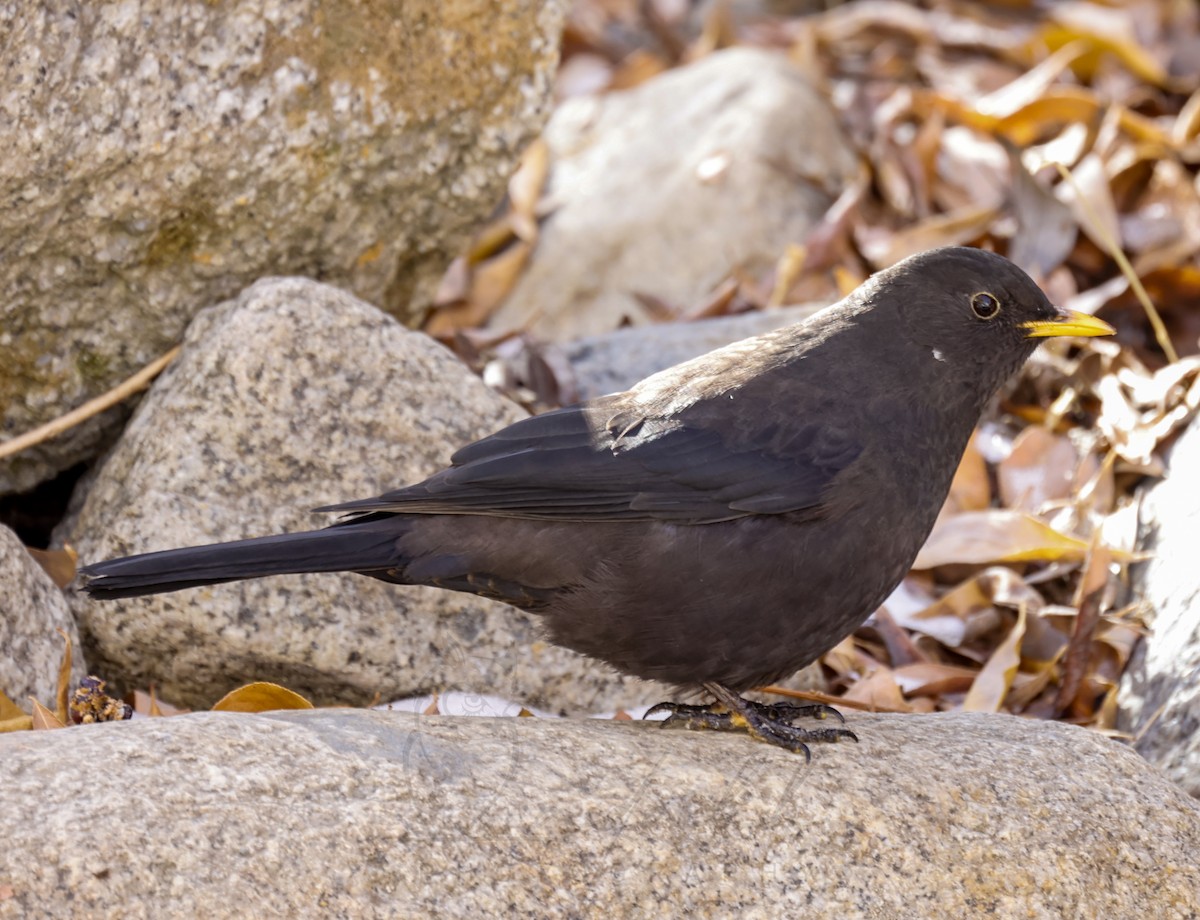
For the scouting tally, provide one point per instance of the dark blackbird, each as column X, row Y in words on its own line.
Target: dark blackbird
column 721, row 524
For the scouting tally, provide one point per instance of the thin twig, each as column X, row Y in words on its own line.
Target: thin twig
column 138, row 381
column 1160, row 331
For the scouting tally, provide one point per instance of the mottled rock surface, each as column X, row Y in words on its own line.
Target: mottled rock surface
column 160, row 156
column 32, row 610
column 666, row 188
column 345, row 813
column 292, row 396
column 1160, row 693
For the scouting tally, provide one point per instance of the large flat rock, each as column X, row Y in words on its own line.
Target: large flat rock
column 358, row 813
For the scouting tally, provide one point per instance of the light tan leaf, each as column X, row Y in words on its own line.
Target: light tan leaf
column 261, row 697
column 43, row 718
column 879, row 693
column 59, row 564
column 63, row 690
column 994, row 680
column 977, row 537
column 12, row 718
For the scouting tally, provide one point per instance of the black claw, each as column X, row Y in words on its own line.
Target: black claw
column 788, row 712
column 767, row 722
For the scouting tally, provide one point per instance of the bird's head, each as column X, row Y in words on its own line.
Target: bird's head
column 977, row 312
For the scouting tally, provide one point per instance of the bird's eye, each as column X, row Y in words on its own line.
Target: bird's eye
column 985, row 305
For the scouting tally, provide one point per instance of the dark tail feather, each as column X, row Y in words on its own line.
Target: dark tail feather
column 345, row 548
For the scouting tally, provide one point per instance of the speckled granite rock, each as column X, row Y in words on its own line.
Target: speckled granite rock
column 32, row 608
column 353, row 814
column 292, row 396
column 1160, row 692
column 617, row 360
column 665, row 188
column 158, row 156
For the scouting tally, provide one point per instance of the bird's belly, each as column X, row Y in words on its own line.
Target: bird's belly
column 741, row 603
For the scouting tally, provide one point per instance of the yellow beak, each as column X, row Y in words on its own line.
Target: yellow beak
column 1068, row 322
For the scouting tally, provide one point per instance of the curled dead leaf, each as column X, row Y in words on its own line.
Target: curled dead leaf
column 992, row 684
column 261, row 697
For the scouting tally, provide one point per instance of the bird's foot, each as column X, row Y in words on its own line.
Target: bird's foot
column 767, row 722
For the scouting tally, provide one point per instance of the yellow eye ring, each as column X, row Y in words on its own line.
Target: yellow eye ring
column 984, row 305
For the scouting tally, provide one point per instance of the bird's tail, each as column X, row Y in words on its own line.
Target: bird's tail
column 343, row 548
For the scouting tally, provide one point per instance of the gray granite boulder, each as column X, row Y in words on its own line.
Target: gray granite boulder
column 157, row 157
column 1160, row 693
column 32, row 610
column 616, row 360
column 360, row 814
column 292, row 396
column 665, row 188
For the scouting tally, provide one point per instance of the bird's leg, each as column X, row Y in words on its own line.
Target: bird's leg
column 767, row 722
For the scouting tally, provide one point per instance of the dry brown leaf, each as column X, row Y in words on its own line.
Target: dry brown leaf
column 12, row 717
column 970, row 490
column 491, row 282
column 1078, row 27
column 43, row 718
column 261, row 697
column 901, row 650
column 992, row 684
column 1089, row 196
column 59, row 564
column 929, row 678
column 878, row 693
column 63, row 689
column 1138, row 411
column 1046, row 230
column 977, row 537
column 956, row 618
column 525, row 190
column 147, row 703
column 953, row 229
column 973, row 171
column 844, row 659
column 1042, row 467
column 1031, row 85
column 1047, row 116
column 1026, row 687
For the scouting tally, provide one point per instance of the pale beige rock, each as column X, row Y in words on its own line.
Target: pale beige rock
column 156, row 157
column 1160, row 691
column 297, row 395
column 361, row 814
column 666, row 188
column 32, row 610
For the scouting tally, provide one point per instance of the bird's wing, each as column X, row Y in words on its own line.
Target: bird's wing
column 610, row 461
